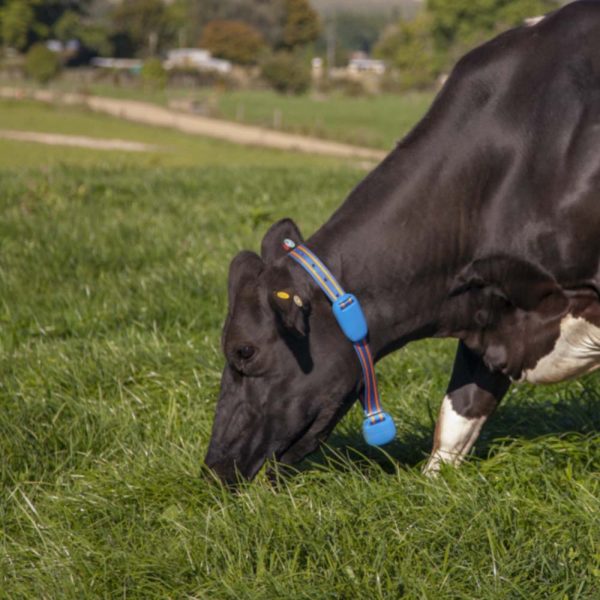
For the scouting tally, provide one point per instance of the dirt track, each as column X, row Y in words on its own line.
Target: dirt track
column 144, row 112
column 80, row 141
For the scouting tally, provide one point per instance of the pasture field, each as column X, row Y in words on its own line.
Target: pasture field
column 112, row 295
column 172, row 148
column 376, row 121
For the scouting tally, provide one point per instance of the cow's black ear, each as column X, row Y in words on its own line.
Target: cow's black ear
column 246, row 266
column 272, row 244
column 291, row 310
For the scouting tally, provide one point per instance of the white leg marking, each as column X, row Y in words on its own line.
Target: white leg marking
column 577, row 351
column 454, row 437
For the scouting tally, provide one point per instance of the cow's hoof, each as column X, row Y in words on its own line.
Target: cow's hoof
column 432, row 467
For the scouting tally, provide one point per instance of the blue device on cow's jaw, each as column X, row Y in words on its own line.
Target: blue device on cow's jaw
column 378, row 426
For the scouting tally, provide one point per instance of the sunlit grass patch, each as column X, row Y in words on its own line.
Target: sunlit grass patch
column 171, row 148
column 112, row 295
column 377, row 121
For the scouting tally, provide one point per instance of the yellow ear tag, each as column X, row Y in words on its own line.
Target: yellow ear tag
column 298, row 301
column 283, row 295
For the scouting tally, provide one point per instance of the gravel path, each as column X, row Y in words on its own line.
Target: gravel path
column 144, row 112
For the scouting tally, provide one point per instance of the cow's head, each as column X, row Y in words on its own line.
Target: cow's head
column 290, row 374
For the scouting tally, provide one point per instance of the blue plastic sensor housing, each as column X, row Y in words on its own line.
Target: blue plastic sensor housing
column 380, row 432
column 349, row 315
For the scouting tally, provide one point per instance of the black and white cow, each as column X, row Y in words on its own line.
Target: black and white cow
column 483, row 224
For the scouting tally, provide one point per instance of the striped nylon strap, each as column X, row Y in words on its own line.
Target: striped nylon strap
column 370, row 399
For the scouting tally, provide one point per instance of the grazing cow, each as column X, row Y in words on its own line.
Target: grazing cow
column 483, row 224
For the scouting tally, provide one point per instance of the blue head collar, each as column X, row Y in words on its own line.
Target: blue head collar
column 378, row 426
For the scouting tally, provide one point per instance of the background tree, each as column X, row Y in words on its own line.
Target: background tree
column 409, row 47
column 141, row 26
column 359, row 31
column 191, row 16
column 267, row 16
column 154, row 74
column 17, row 18
column 49, row 12
column 41, row 63
column 25, row 22
column 345, row 32
column 146, row 26
column 458, row 25
column 91, row 33
column 422, row 48
column 286, row 73
column 301, row 24
column 68, row 26
column 233, row 40
column 397, row 8
column 96, row 38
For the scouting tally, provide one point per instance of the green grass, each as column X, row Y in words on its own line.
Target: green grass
column 112, row 295
column 173, row 147
column 377, row 121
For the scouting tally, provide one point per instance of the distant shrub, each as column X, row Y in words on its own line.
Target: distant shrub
column 410, row 49
column 154, row 74
column 350, row 87
column 286, row 74
column 233, row 40
column 41, row 63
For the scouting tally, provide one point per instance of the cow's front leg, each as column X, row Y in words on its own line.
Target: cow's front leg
column 472, row 396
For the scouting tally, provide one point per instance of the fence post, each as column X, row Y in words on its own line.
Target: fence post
column 239, row 112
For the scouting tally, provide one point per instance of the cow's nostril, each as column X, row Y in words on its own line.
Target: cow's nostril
column 246, row 352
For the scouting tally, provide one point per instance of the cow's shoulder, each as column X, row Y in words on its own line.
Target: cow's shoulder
column 512, row 312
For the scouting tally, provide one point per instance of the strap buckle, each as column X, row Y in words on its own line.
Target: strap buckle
column 350, row 317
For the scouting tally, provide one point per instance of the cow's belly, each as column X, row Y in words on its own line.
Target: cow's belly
column 576, row 352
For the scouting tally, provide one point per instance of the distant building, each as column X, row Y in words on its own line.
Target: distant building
column 195, row 58
column 118, row 64
column 55, row 46
column 361, row 63
column 70, row 46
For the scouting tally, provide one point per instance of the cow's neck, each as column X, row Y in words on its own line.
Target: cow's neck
column 398, row 242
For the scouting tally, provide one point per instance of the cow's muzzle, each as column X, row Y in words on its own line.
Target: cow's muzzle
column 230, row 471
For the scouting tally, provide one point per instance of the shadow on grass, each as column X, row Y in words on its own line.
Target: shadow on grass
column 523, row 415
column 574, row 409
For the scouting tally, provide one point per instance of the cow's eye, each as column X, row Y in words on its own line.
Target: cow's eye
column 246, row 352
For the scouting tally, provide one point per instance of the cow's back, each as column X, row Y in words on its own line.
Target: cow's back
column 530, row 103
